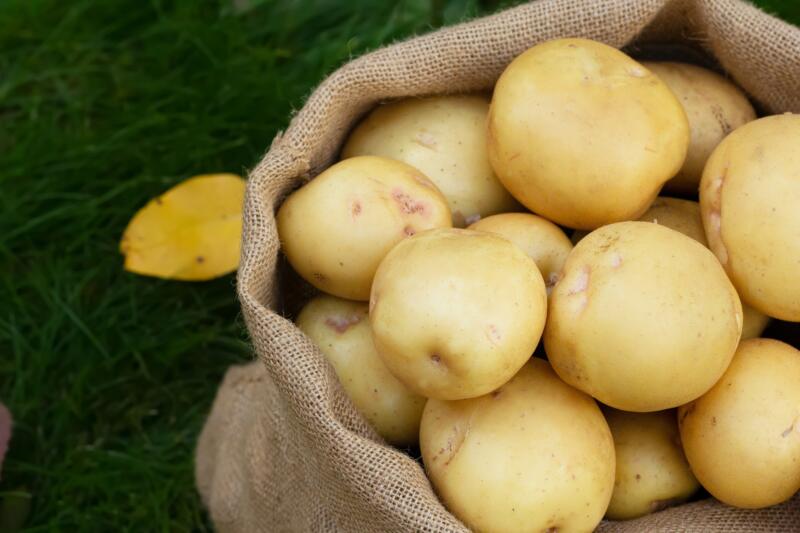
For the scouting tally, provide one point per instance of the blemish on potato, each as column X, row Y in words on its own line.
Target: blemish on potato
column 493, row 334
column 715, row 221
column 355, row 208
column 472, row 219
column 637, row 72
column 424, row 138
column 422, row 180
column 787, row 431
column 455, row 440
column 719, row 116
column 340, row 324
column 689, row 410
column 616, row 259
column 319, row 277
column 408, row 231
column 715, row 216
column 408, row 205
column 581, row 282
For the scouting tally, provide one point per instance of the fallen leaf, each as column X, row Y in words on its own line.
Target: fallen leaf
column 5, row 432
column 192, row 232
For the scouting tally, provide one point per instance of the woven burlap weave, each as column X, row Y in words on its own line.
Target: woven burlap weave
column 283, row 449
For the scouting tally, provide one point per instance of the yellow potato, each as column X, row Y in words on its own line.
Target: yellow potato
column 644, row 318
column 584, row 135
column 455, row 313
column 445, row 138
column 714, row 107
column 684, row 216
column 652, row 473
column 543, row 241
column 336, row 229
column 742, row 438
column 341, row 330
column 754, row 322
column 677, row 214
column 750, row 201
column 535, row 455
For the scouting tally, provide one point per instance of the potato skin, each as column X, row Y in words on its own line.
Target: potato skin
column 445, row 138
column 714, row 107
column 749, row 198
column 652, row 473
column 584, row 135
column 341, row 330
column 543, row 241
column 742, row 438
column 644, row 318
column 684, row 216
column 455, row 313
column 336, row 229
column 535, row 456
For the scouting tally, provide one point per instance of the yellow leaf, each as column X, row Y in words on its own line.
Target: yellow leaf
column 192, row 232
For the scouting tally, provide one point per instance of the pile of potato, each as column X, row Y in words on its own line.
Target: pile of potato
column 644, row 388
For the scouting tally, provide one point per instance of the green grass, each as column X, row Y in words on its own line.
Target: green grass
column 104, row 104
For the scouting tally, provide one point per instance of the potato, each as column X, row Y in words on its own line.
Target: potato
column 455, row 313
column 341, row 330
column 584, row 135
column 644, row 318
column 749, row 199
column 684, row 216
column 652, row 473
column 336, row 229
column 754, row 322
column 445, row 138
column 714, row 107
column 543, row 241
column 742, row 438
column 535, row 455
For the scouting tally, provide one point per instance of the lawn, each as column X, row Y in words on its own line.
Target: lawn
column 104, row 104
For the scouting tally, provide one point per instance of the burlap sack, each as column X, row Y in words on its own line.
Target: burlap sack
column 283, row 449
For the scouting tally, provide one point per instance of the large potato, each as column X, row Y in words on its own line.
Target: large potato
column 644, row 318
column 445, row 138
column 684, row 216
column 714, row 107
column 652, row 472
column 742, row 438
column 750, row 198
column 336, row 229
column 455, row 313
column 535, row 455
column 584, row 135
column 543, row 241
column 341, row 330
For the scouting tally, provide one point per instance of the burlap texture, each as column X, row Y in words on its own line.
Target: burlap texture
column 283, row 449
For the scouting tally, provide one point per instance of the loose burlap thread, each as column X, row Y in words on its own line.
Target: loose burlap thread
column 283, row 448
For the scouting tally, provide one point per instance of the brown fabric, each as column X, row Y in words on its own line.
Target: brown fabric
column 283, row 448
